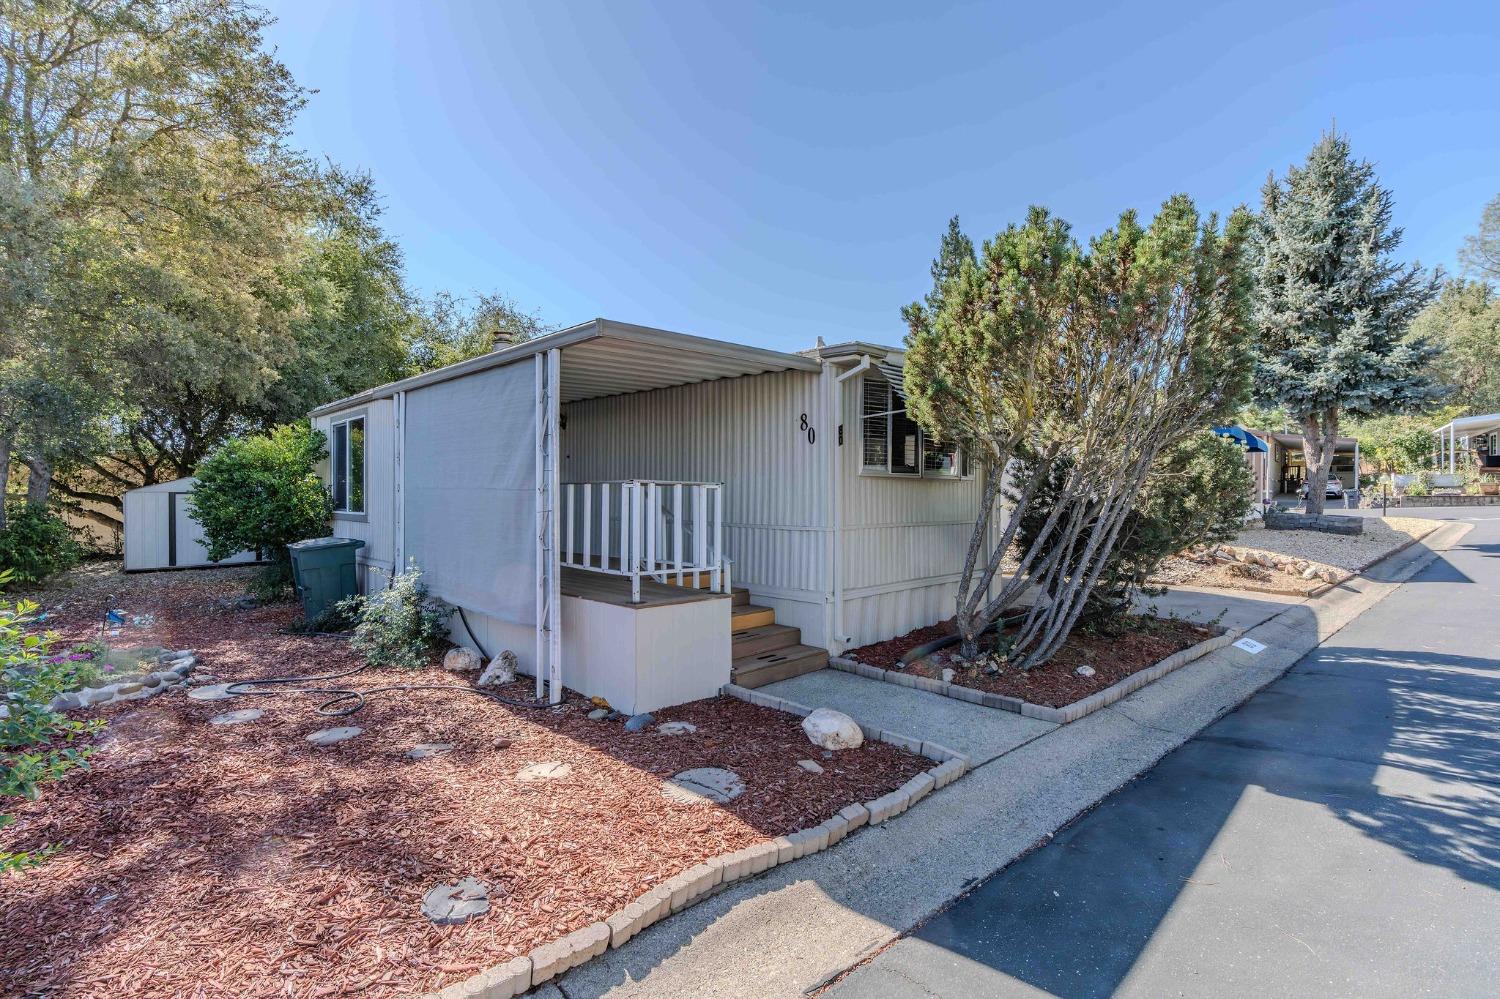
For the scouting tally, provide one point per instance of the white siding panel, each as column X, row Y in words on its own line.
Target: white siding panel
column 878, row 616
column 744, row 432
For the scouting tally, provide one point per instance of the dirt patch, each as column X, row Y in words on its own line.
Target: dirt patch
column 242, row 861
column 1112, row 653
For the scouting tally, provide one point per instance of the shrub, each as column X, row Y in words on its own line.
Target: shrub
column 1418, row 486
column 400, row 626
column 33, row 739
column 261, row 494
column 1198, row 492
column 36, row 544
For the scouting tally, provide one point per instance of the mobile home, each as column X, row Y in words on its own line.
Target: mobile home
column 643, row 515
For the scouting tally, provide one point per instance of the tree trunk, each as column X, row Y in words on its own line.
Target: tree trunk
column 39, row 483
column 1319, row 438
column 5, row 446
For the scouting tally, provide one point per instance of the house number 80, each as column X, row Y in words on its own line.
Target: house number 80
column 812, row 434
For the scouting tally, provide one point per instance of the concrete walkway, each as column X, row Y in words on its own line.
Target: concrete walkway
column 804, row 923
column 1337, row 835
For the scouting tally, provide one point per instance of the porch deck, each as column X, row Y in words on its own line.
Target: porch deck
column 607, row 589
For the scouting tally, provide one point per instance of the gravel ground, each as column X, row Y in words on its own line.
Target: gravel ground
column 1346, row 554
column 240, row 860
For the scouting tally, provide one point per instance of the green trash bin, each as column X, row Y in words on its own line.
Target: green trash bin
column 324, row 572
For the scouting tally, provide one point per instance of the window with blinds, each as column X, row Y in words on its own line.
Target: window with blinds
column 891, row 442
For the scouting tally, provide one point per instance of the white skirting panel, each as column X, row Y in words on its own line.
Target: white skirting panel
column 637, row 660
column 875, row 617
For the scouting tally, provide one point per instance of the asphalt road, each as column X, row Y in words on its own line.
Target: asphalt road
column 1337, row 835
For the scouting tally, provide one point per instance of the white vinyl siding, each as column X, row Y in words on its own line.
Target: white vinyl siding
column 376, row 526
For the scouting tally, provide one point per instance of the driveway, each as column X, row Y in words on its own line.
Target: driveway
column 1337, row 835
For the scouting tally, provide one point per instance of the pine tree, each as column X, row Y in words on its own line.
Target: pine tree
column 1331, row 304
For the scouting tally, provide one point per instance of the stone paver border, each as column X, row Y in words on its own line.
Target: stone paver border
column 1058, row 716
column 702, row 880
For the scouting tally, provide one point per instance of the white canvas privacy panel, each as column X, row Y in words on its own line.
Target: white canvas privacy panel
column 469, row 488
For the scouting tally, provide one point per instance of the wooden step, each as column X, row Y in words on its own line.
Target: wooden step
column 740, row 596
column 778, row 664
column 766, row 638
column 750, row 616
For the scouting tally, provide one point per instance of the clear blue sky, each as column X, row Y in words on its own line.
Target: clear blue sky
column 771, row 174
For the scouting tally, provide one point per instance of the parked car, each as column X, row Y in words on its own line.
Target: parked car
column 1334, row 490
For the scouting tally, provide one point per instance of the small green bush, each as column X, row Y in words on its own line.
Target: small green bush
column 401, row 626
column 1419, row 486
column 33, row 739
column 36, row 544
column 261, row 494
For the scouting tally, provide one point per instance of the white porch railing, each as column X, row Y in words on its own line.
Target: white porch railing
column 638, row 527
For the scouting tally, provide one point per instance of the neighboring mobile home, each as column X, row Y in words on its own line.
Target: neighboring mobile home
column 559, row 489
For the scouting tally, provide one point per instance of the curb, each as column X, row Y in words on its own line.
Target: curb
column 1059, row 716
column 698, row 882
column 1319, row 591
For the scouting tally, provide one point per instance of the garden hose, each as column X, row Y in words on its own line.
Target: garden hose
column 341, row 694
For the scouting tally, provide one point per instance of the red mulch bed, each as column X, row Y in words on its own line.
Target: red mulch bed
column 1113, row 656
column 241, row 861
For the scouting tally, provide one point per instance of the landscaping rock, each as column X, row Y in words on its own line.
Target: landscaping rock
column 1084, row 671
column 129, row 689
column 236, row 717
column 212, row 692
column 1311, row 572
column 811, row 766
column 702, row 785
column 638, row 722
column 676, row 728
column 462, row 661
column 598, row 714
column 500, row 671
column 832, row 729
column 67, row 701
column 331, row 736
column 449, row 905
column 948, row 675
column 425, row 749
column 552, row 770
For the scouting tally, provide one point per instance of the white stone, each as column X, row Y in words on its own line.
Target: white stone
column 500, row 671
column 551, row 770
column 811, row 766
column 212, row 692
column 461, row 660
column 236, row 717
column 948, row 675
column 702, row 785
column 832, row 729
column 329, row 736
column 425, row 749
column 676, row 728
column 449, row 905
column 1084, row 671
column 1311, row 572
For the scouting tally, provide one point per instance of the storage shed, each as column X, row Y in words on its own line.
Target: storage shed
column 159, row 534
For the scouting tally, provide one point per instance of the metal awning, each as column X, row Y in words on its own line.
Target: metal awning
column 895, row 373
column 603, row 357
column 1470, row 426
